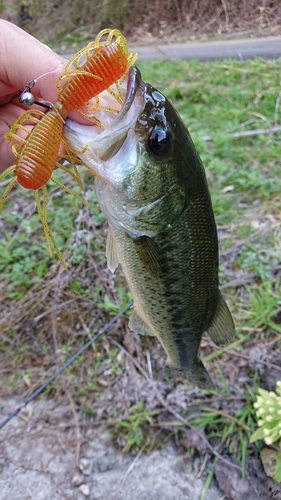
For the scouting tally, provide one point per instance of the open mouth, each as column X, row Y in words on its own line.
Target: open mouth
column 101, row 142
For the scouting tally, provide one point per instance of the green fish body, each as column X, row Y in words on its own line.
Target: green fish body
column 152, row 187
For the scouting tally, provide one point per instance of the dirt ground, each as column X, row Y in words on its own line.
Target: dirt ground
column 51, row 451
column 44, row 456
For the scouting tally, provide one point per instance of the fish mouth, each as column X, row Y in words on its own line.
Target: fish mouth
column 95, row 145
column 134, row 82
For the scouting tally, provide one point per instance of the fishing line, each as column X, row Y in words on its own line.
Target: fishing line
column 27, row 98
column 66, row 365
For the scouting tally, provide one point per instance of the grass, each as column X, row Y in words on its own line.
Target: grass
column 48, row 313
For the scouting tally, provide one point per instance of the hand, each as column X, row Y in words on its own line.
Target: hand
column 23, row 58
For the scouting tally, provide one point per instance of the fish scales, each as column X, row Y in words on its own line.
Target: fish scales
column 177, row 304
column 152, row 187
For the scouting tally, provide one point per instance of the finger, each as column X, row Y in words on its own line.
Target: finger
column 23, row 58
column 7, row 157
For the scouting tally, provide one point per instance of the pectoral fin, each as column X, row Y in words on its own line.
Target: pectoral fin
column 222, row 329
column 151, row 256
column 138, row 325
column 111, row 252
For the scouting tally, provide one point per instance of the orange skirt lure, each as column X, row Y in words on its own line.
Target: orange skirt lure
column 36, row 158
column 107, row 61
column 96, row 75
column 36, row 154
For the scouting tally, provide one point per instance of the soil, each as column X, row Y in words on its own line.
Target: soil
column 43, row 457
column 50, row 453
column 53, row 451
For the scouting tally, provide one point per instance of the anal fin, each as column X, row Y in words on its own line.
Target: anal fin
column 222, row 329
column 139, row 326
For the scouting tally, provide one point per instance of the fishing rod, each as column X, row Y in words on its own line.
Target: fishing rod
column 66, row 365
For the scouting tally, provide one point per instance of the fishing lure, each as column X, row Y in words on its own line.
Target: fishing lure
column 36, row 158
column 107, row 61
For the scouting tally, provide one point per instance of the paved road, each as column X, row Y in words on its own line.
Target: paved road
column 269, row 48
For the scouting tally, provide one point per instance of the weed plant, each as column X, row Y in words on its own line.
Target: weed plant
column 268, row 410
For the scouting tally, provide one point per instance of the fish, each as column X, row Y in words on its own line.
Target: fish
column 151, row 185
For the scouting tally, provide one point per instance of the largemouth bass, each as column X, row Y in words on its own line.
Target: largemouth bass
column 152, row 187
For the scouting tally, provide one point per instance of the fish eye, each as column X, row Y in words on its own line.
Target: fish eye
column 159, row 141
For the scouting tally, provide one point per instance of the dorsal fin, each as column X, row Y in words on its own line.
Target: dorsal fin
column 138, row 325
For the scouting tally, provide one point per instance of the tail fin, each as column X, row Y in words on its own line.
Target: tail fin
column 196, row 376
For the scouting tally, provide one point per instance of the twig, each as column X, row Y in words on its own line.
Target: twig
column 24, row 366
column 249, row 358
column 217, row 14
column 228, row 251
column 48, row 311
column 203, row 466
column 226, row 14
column 204, row 439
column 248, row 133
column 35, row 469
column 129, row 470
column 175, row 413
column 226, row 415
column 241, row 125
column 243, row 280
column 54, row 328
column 149, row 367
column 276, row 109
column 27, row 418
column 62, row 494
column 242, row 70
column 273, row 341
column 221, row 350
column 77, row 426
column 85, row 327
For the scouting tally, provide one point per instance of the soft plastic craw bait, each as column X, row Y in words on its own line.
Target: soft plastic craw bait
column 37, row 153
column 107, row 62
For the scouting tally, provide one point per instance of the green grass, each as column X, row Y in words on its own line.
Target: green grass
column 48, row 313
column 216, row 99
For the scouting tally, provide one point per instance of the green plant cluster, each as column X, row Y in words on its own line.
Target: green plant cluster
column 136, row 429
column 268, row 411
